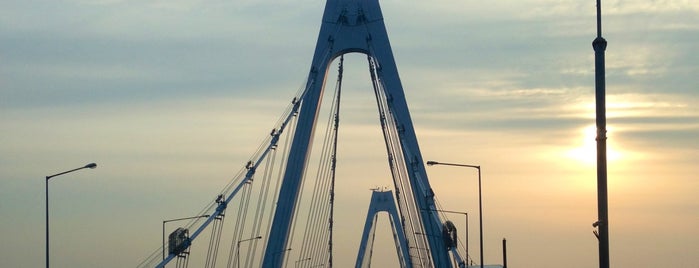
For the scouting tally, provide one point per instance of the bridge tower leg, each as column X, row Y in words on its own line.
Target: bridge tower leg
column 352, row 26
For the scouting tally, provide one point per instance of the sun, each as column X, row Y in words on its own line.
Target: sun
column 585, row 150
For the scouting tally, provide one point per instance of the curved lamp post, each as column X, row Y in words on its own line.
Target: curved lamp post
column 280, row 252
column 462, row 213
column 237, row 249
column 296, row 264
column 480, row 199
column 91, row 166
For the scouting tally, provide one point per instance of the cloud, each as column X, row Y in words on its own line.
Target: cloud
column 172, row 95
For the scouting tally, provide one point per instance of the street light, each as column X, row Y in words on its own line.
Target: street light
column 296, row 264
column 480, row 199
column 274, row 254
column 462, row 213
column 180, row 219
column 91, row 166
column 237, row 250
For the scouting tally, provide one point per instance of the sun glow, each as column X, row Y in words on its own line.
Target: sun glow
column 586, row 148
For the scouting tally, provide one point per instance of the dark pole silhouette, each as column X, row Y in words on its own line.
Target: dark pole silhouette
column 91, row 165
column 599, row 45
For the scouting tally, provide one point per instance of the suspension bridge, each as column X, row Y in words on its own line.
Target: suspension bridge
column 283, row 199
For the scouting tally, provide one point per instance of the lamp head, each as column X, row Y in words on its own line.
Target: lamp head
column 91, row 165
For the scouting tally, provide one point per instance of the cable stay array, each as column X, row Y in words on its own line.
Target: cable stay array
column 251, row 195
column 253, row 192
column 283, row 206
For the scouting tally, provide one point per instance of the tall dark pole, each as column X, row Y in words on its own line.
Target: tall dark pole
column 599, row 45
column 480, row 199
column 91, row 165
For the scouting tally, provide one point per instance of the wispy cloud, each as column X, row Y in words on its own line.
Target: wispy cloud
column 177, row 90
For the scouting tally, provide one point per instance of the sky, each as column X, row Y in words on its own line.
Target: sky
column 169, row 98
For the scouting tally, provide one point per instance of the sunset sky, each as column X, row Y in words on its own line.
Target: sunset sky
column 171, row 97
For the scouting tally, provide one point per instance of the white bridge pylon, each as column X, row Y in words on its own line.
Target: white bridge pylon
column 358, row 26
column 383, row 201
column 264, row 210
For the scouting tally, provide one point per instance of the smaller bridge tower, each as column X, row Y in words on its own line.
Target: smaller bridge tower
column 383, row 201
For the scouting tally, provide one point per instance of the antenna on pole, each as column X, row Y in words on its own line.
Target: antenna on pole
column 602, row 223
column 599, row 18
